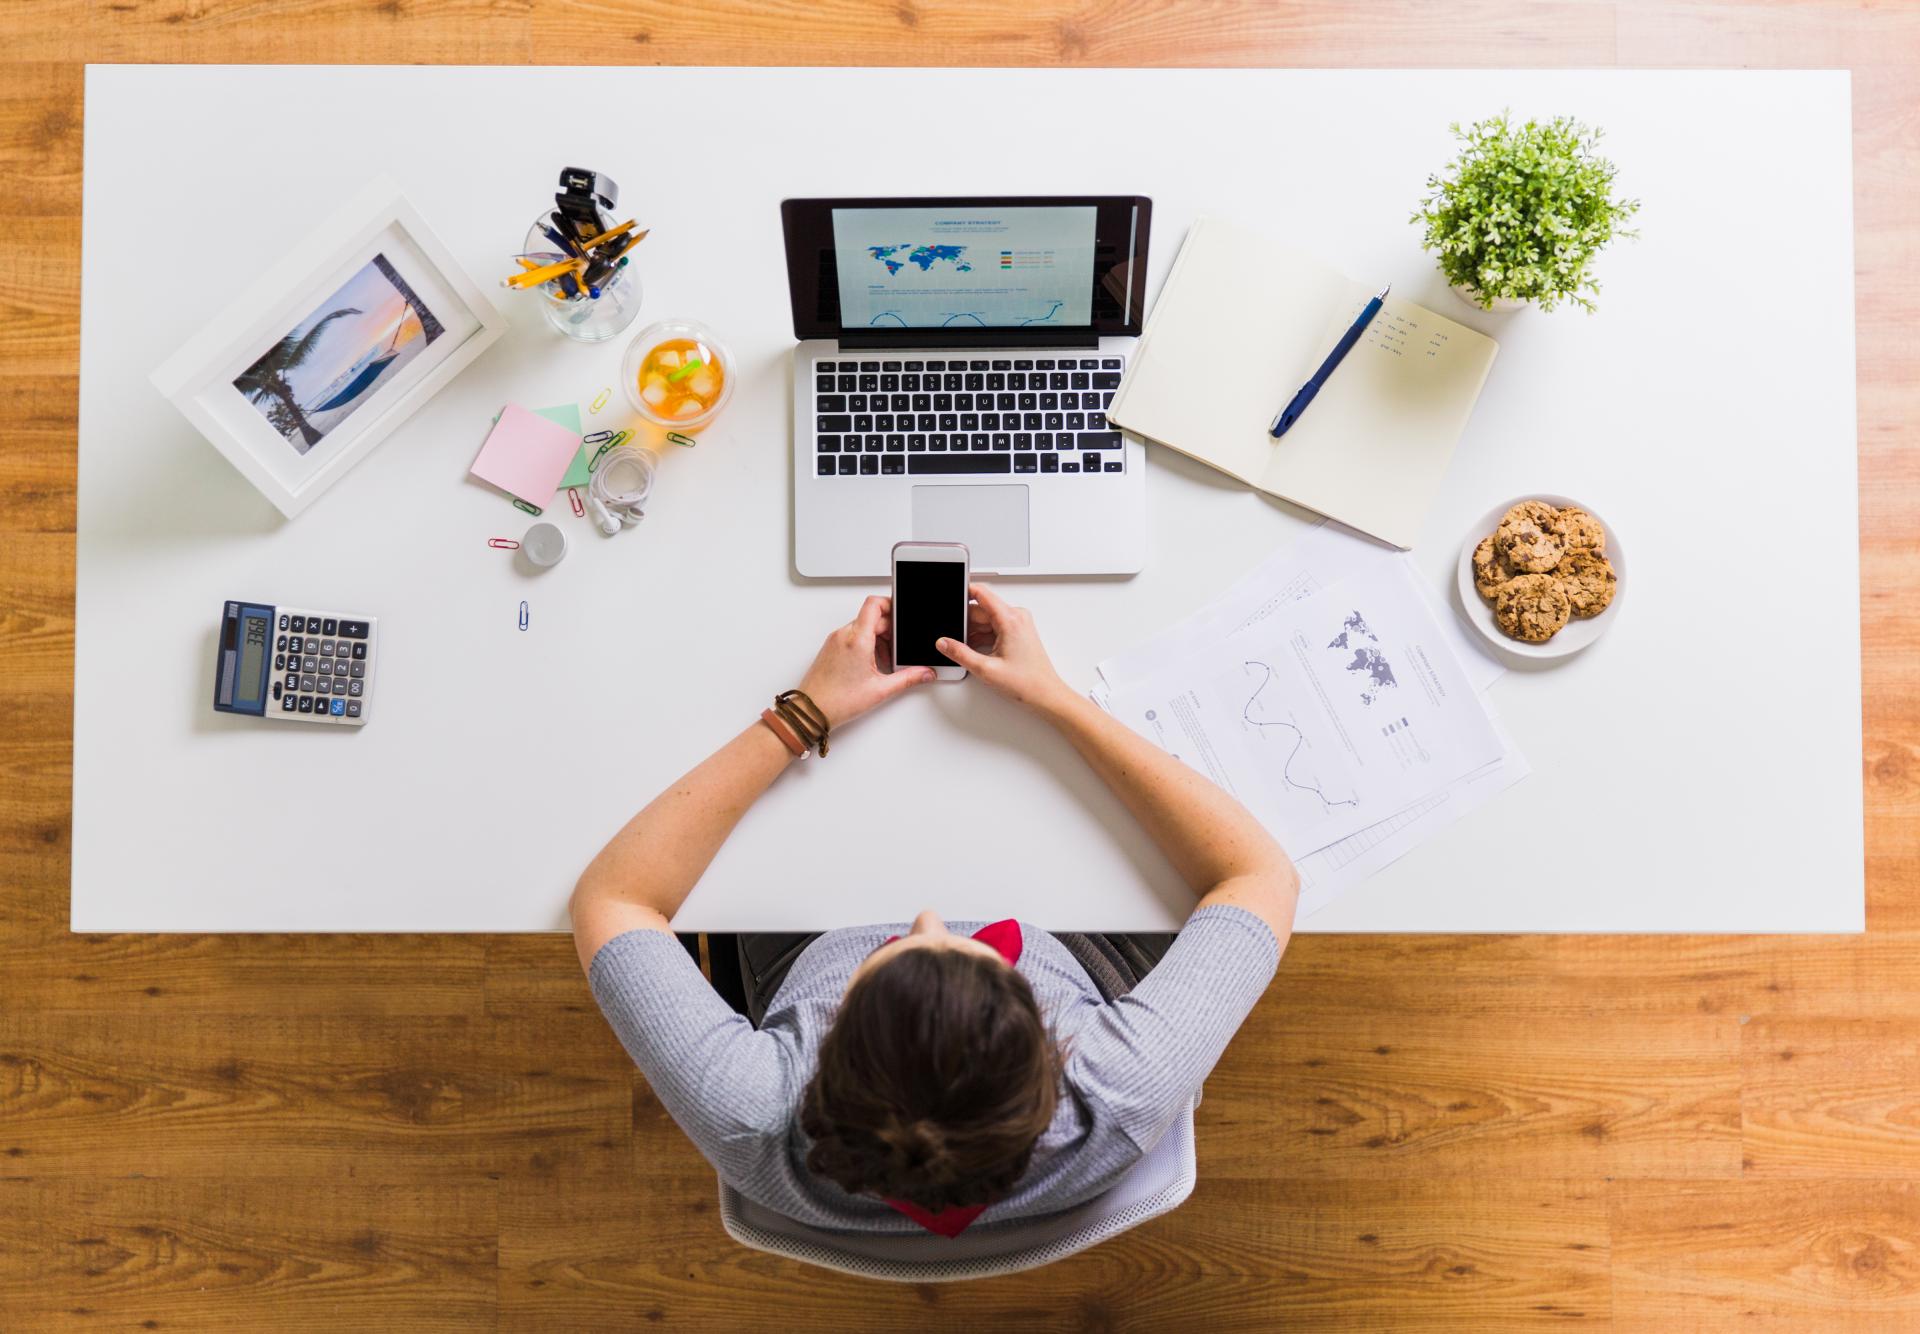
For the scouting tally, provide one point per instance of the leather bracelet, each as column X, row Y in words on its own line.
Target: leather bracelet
column 781, row 728
column 805, row 717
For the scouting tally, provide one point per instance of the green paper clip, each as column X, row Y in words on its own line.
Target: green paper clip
column 621, row 438
column 599, row 454
column 679, row 439
column 534, row 510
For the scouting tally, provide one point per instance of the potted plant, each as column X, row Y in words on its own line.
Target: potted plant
column 1523, row 212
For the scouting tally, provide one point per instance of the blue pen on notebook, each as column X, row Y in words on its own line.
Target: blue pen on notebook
column 1291, row 413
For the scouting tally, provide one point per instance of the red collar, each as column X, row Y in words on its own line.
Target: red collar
column 1004, row 937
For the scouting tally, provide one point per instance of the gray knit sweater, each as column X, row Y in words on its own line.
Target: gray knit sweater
column 1131, row 1066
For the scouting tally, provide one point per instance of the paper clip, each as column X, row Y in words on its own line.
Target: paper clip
column 503, row 544
column 599, row 454
column 679, row 439
column 621, row 437
column 523, row 615
column 600, row 400
column 573, row 498
column 534, row 510
column 596, row 437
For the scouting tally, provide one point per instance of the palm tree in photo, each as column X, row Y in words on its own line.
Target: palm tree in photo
column 266, row 380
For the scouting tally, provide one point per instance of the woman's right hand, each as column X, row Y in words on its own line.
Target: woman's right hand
column 1003, row 649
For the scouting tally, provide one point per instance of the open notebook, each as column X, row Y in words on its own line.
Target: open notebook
column 1243, row 322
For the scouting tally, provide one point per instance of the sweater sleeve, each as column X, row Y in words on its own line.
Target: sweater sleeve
column 1147, row 1054
column 727, row 1085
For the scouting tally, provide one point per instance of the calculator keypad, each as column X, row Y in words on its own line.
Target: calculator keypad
column 321, row 667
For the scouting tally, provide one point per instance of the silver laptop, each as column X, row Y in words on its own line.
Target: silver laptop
column 956, row 360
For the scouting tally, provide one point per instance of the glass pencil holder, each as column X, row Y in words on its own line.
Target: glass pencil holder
column 586, row 319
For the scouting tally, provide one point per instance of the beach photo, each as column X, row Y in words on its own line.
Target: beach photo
column 329, row 365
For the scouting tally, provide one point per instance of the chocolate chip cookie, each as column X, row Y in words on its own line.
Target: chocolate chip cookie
column 1490, row 569
column 1531, row 608
column 1579, row 531
column 1588, row 580
column 1526, row 537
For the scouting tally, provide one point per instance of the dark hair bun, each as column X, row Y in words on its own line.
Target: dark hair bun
column 935, row 1080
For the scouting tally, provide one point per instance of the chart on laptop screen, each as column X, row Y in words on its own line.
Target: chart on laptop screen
column 988, row 268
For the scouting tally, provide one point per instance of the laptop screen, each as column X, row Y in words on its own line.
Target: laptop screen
column 951, row 271
column 932, row 268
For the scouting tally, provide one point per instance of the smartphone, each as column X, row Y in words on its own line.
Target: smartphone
column 929, row 600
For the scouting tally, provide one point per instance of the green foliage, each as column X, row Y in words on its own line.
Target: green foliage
column 1524, row 212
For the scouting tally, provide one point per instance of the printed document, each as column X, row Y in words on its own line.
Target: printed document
column 1330, row 714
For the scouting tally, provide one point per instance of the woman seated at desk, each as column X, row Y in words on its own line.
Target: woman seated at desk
column 887, row 1078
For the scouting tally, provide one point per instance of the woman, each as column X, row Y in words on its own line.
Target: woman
column 904, row 1077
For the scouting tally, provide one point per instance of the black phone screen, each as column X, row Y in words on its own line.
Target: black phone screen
column 929, row 600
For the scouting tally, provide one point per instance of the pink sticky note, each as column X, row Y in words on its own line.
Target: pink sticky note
column 526, row 455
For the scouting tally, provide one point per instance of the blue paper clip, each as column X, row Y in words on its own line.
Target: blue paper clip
column 596, row 437
column 523, row 615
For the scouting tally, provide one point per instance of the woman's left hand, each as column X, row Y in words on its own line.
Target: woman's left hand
column 847, row 677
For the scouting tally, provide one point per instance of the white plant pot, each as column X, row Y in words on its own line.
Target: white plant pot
column 1472, row 298
column 1500, row 302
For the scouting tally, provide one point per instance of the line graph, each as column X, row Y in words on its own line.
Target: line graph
column 1299, row 742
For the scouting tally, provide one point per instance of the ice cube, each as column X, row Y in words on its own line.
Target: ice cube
column 667, row 358
column 703, row 382
column 653, row 390
column 689, row 407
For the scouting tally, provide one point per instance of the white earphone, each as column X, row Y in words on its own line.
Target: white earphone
column 617, row 494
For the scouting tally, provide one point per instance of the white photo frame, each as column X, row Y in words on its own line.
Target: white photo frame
column 332, row 348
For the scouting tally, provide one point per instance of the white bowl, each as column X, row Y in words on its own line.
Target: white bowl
column 1577, row 634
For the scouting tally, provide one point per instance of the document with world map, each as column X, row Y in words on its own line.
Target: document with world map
column 1329, row 715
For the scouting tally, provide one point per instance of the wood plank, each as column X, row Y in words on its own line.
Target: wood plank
column 1073, row 32
column 40, row 299
column 373, row 1100
column 40, row 142
column 531, row 974
column 1326, row 978
column 1832, row 1098
column 50, row 970
column 345, row 32
column 39, row 420
column 93, row 1254
column 1766, row 1256
column 1271, row 1254
column 1442, row 1095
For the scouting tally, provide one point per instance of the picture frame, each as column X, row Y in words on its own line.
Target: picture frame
column 332, row 348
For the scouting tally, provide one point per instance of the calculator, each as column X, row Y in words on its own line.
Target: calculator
column 300, row 665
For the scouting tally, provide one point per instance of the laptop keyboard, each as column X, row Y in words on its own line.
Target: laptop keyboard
column 877, row 417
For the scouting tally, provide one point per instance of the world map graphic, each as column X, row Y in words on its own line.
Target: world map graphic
column 923, row 256
column 1368, row 663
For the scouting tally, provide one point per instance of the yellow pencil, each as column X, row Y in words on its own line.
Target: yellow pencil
column 610, row 233
column 545, row 274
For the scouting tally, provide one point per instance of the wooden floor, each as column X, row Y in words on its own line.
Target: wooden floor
column 404, row 1133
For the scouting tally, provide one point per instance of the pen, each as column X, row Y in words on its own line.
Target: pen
column 1291, row 413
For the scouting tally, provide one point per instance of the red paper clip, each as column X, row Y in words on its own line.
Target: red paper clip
column 503, row 544
column 573, row 498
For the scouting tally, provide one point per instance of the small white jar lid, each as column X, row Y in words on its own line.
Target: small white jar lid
column 544, row 544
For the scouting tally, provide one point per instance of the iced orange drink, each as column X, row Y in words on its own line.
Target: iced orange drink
column 678, row 376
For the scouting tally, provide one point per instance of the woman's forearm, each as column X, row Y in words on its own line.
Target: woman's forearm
column 1208, row 836
column 659, row 856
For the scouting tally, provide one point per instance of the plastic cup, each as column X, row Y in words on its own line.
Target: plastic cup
column 677, row 374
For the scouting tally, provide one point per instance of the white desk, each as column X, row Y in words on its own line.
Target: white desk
column 1698, row 770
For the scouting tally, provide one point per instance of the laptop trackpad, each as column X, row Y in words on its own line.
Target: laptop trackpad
column 991, row 520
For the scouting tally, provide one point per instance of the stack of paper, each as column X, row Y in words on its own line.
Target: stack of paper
column 1324, row 692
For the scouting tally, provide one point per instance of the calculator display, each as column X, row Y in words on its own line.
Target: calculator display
column 253, row 651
